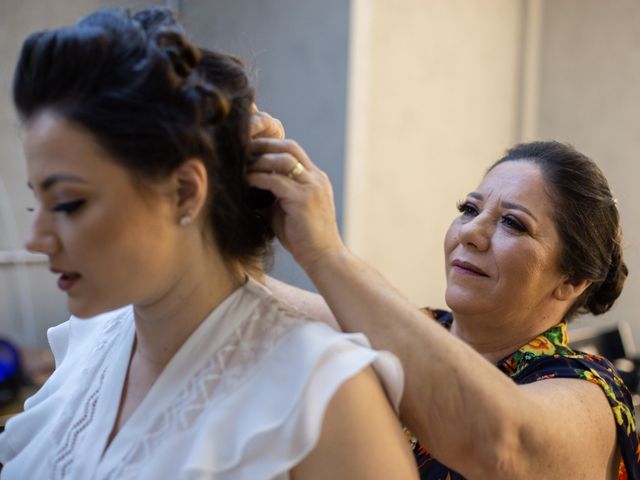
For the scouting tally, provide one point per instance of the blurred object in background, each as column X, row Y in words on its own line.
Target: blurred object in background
column 10, row 372
column 22, row 373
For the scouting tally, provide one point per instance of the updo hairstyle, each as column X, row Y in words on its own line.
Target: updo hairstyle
column 153, row 100
column 587, row 220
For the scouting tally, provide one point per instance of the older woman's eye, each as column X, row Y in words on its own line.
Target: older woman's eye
column 69, row 207
column 467, row 209
column 513, row 223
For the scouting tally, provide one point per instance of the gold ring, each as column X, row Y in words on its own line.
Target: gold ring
column 295, row 171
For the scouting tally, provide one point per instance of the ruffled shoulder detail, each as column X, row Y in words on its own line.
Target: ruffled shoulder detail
column 275, row 419
column 70, row 341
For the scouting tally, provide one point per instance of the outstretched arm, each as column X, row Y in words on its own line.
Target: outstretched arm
column 464, row 411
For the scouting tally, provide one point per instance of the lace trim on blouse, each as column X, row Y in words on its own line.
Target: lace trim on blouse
column 64, row 457
column 222, row 374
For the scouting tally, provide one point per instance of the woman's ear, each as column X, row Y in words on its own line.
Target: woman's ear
column 191, row 185
column 570, row 289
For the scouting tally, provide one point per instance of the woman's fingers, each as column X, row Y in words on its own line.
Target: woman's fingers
column 282, row 163
column 272, row 145
column 281, row 186
column 261, row 124
column 304, row 216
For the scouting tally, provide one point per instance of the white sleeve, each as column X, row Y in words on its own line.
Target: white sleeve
column 276, row 420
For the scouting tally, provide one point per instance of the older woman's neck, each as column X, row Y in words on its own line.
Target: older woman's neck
column 203, row 281
column 497, row 335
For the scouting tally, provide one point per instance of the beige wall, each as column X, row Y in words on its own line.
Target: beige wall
column 434, row 100
column 589, row 96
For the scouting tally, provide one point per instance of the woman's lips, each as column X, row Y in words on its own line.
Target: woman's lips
column 467, row 268
column 67, row 279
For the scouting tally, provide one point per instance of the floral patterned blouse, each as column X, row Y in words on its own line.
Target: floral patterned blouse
column 549, row 356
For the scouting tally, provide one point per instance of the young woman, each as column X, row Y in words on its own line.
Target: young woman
column 176, row 363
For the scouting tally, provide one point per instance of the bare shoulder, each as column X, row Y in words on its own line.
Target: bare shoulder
column 574, row 428
column 361, row 437
column 309, row 303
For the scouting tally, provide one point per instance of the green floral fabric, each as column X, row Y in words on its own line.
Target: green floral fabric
column 550, row 356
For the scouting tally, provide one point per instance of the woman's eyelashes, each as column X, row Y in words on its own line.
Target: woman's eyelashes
column 68, row 207
column 513, row 223
column 468, row 209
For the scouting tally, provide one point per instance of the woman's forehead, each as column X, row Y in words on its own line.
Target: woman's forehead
column 519, row 181
column 520, row 177
column 55, row 147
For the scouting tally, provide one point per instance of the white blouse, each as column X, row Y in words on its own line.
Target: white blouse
column 243, row 398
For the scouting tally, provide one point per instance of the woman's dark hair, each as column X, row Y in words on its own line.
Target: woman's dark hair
column 587, row 220
column 153, row 100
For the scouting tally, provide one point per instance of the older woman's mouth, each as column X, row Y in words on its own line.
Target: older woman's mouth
column 467, row 268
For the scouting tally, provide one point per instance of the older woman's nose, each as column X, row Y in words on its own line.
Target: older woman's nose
column 41, row 238
column 476, row 233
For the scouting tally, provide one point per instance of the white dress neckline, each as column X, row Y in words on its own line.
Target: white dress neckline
column 243, row 398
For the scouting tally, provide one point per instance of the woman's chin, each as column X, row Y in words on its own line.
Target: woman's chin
column 86, row 310
column 461, row 301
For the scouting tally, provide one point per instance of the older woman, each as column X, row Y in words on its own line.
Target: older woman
column 176, row 364
column 536, row 242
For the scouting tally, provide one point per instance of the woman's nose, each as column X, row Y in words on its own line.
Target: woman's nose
column 41, row 237
column 476, row 233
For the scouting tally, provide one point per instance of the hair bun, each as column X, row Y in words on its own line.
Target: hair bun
column 183, row 56
column 603, row 296
column 152, row 19
column 210, row 103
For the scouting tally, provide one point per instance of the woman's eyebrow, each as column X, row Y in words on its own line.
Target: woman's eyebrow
column 511, row 205
column 517, row 206
column 53, row 179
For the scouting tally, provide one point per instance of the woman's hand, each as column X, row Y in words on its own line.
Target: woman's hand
column 304, row 216
column 261, row 124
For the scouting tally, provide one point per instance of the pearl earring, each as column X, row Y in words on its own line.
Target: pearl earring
column 185, row 220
